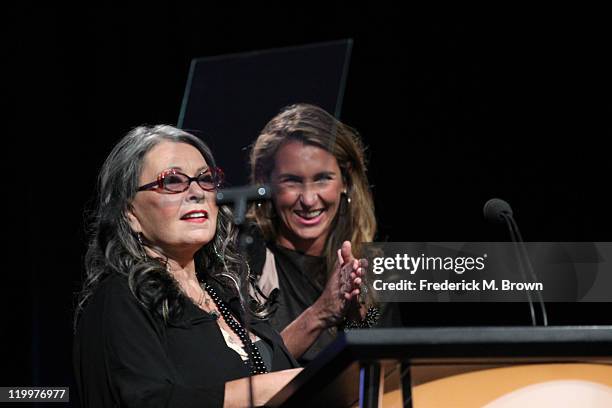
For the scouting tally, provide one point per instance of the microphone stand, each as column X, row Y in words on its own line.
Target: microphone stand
column 239, row 197
column 497, row 210
column 521, row 268
column 521, row 245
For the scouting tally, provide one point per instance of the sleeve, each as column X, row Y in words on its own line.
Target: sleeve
column 138, row 367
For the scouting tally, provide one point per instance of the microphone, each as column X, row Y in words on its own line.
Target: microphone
column 240, row 196
column 494, row 210
column 498, row 211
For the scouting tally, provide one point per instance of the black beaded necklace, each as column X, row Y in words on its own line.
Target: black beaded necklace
column 255, row 362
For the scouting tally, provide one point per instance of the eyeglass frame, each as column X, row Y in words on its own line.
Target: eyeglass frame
column 158, row 185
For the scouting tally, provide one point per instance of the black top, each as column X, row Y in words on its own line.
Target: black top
column 298, row 289
column 126, row 356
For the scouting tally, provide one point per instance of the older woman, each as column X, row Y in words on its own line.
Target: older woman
column 161, row 317
column 321, row 202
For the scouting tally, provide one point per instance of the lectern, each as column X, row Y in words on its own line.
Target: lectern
column 435, row 365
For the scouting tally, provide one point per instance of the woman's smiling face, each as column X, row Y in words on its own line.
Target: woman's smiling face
column 308, row 185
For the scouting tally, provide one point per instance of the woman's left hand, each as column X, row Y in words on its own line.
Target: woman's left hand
column 351, row 277
column 351, row 272
column 341, row 293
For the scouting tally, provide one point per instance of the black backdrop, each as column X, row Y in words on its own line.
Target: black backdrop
column 455, row 111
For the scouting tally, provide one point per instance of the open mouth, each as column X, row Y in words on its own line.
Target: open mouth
column 309, row 215
column 195, row 215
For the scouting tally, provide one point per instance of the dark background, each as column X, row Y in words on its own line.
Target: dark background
column 454, row 111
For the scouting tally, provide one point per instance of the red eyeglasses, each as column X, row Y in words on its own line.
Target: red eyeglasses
column 172, row 181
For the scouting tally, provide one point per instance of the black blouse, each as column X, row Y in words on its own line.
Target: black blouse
column 298, row 289
column 125, row 356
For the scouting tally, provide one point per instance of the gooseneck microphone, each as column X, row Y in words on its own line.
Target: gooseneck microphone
column 499, row 211
column 495, row 209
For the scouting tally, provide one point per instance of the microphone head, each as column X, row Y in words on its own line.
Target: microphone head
column 494, row 208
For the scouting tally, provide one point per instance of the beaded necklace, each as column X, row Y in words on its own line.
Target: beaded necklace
column 255, row 362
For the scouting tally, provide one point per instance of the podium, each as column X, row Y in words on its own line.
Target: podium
column 430, row 364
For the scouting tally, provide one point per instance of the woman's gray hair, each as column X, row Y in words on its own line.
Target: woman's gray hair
column 114, row 247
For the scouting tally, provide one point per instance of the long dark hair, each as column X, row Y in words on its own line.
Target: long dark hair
column 114, row 248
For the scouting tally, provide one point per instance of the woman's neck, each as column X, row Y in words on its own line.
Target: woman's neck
column 313, row 247
column 183, row 271
column 183, row 268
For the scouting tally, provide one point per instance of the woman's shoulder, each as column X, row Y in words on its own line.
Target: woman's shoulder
column 114, row 286
column 114, row 311
column 113, row 295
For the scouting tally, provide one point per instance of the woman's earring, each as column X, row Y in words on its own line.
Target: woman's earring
column 348, row 199
column 142, row 245
column 344, row 204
